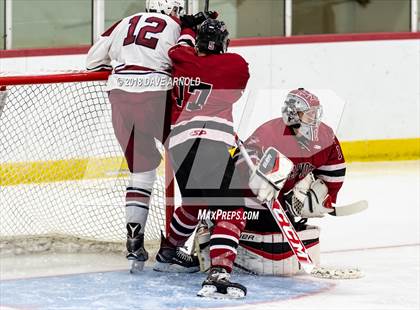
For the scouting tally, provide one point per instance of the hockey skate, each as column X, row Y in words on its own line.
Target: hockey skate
column 218, row 285
column 136, row 253
column 175, row 259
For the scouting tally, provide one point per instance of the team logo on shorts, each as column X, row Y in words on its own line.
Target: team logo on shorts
column 198, row 132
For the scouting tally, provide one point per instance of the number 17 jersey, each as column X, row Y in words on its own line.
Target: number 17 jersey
column 205, row 89
column 136, row 50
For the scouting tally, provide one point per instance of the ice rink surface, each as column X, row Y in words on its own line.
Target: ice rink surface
column 383, row 242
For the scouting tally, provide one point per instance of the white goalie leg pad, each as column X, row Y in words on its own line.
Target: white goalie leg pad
column 138, row 197
column 263, row 253
column 269, row 253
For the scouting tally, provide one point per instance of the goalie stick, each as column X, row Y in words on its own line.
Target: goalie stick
column 350, row 209
column 294, row 241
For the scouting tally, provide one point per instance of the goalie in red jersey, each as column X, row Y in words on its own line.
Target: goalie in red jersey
column 208, row 82
column 309, row 190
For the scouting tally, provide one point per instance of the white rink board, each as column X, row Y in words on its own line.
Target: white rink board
column 379, row 81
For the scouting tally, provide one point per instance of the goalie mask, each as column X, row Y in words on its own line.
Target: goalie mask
column 213, row 37
column 165, row 6
column 303, row 112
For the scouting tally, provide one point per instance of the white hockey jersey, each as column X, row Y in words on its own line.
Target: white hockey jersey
column 136, row 50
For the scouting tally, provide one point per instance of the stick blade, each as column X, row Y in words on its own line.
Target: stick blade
column 337, row 273
column 350, row 209
column 307, row 267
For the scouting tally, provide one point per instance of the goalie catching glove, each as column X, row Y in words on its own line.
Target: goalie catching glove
column 309, row 198
column 268, row 178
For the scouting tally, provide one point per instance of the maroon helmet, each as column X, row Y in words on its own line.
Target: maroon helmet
column 303, row 111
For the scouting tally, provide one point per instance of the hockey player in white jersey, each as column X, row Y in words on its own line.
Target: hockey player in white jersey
column 135, row 50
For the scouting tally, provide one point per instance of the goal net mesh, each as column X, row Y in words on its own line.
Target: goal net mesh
column 62, row 171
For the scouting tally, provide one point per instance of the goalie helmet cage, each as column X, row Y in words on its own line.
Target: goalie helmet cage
column 62, row 172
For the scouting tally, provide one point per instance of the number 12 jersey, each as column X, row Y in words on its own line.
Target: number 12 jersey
column 136, row 49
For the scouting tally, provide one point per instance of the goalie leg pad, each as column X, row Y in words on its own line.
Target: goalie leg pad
column 202, row 247
column 270, row 254
column 263, row 253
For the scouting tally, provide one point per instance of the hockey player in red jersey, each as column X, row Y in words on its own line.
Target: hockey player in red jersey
column 136, row 50
column 311, row 187
column 209, row 82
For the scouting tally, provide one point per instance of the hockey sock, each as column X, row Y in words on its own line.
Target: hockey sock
column 224, row 242
column 183, row 224
column 137, row 201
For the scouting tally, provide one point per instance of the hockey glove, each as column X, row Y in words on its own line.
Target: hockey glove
column 268, row 178
column 309, row 198
column 192, row 21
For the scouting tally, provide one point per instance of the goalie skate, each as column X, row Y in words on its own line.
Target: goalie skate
column 218, row 285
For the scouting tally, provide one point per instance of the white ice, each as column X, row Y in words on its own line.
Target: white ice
column 383, row 242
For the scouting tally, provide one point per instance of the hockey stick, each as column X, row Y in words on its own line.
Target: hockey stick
column 283, row 222
column 350, row 209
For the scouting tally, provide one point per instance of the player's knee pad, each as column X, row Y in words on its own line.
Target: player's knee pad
column 270, row 254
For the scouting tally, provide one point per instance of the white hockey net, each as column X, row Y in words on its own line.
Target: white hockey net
column 62, row 172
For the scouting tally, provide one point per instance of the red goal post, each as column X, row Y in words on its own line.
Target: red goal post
column 52, row 77
column 62, row 172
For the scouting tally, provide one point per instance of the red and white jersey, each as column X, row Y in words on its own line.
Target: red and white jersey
column 136, row 49
column 323, row 157
column 205, row 89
